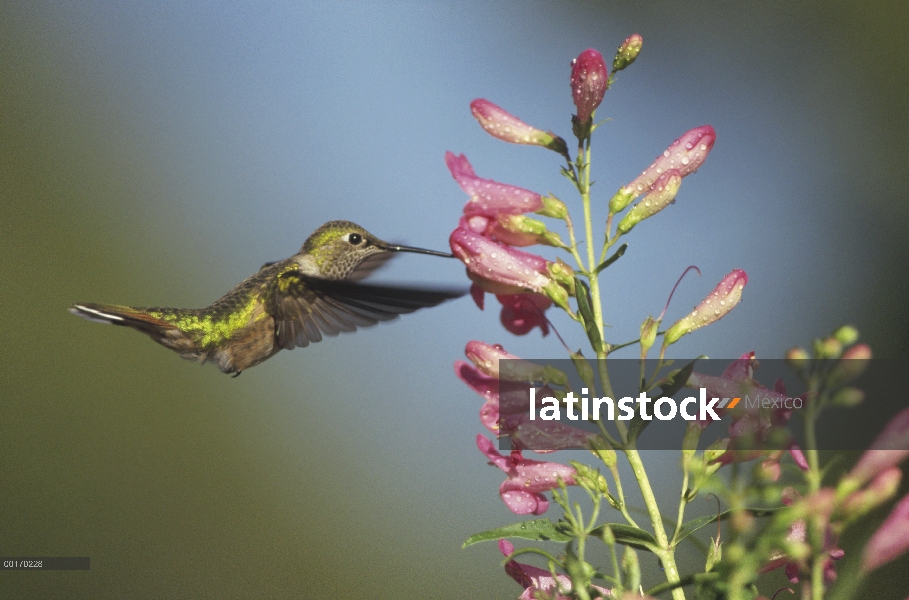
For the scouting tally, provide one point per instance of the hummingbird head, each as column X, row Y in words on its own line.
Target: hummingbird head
column 344, row 250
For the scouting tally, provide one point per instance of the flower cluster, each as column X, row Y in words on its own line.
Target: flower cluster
column 803, row 530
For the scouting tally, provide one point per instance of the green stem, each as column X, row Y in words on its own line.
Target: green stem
column 666, row 554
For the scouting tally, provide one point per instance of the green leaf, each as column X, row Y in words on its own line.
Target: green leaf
column 618, row 254
column 630, row 535
column 586, row 313
column 537, row 529
column 695, row 524
column 676, row 380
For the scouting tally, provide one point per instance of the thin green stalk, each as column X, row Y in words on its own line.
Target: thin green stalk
column 666, row 554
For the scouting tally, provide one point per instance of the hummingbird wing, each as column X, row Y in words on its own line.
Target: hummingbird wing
column 305, row 308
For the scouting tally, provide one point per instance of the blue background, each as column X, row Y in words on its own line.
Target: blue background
column 159, row 153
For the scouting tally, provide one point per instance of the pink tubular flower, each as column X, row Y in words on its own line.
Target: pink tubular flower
column 685, row 155
column 714, row 307
column 499, row 123
column 889, row 449
column 820, row 506
column 488, row 359
column 522, row 312
column 522, row 491
column 488, row 197
column 589, row 79
column 501, row 269
column 507, row 404
column 890, row 540
column 538, row 583
column 749, row 429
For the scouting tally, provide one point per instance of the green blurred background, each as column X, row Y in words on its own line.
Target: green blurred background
column 159, row 153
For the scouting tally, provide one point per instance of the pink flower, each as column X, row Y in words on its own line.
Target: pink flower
column 717, row 305
column 522, row 491
column 522, row 312
column 538, row 583
column 488, row 197
column 589, row 80
column 488, row 359
column 685, row 155
column 498, row 123
column 750, row 429
column 819, row 505
column 507, row 403
column 501, row 269
column 889, row 449
column 890, row 540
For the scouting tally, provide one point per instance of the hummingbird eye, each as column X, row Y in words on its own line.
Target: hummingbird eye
column 355, row 239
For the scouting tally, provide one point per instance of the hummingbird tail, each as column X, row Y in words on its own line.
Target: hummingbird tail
column 121, row 315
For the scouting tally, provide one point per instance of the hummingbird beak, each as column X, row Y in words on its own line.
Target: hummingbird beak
column 397, row 248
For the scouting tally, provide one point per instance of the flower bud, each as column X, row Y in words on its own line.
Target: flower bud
column 519, row 230
column 509, row 128
column 585, row 371
column 661, row 195
column 853, row 363
column 797, row 358
column 882, row 488
column 714, row 307
column 604, row 451
column 648, row 335
column 627, row 52
column 686, row 155
column 553, row 207
column 847, row 335
column 828, row 348
column 589, row 79
column 848, row 397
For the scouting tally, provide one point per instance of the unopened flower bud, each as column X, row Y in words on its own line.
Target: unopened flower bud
column 553, row 207
column 882, row 488
column 686, row 155
column 622, row 198
column 797, row 358
column 853, row 363
column 583, row 368
column 648, row 335
column 660, row 196
column 520, row 230
column 847, row 335
column 589, row 79
column 562, row 273
column 627, row 52
column 604, row 451
column 848, row 397
column 714, row 307
column 828, row 348
column 499, row 123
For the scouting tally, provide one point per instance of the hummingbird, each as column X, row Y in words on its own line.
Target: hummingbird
column 287, row 304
